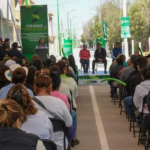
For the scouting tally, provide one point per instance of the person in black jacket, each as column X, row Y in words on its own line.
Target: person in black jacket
column 100, row 56
column 2, row 51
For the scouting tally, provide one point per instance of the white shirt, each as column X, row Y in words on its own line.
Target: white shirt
column 40, row 125
column 40, row 146
column 64, row 89
column 57, row 106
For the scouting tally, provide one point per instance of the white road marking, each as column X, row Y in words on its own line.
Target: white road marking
column 99, row 123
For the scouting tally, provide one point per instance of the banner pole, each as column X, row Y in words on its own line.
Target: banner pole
column 58, row 27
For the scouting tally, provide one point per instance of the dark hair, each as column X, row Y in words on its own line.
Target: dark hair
column 35, row 57
column 133, row 58
column 64, row 58
column 56, row 80
column 53, row 59
column 38, row 64
column 119, row 61
column 62, row 65
column 31, row 74
column 3, row 68
column 123, row 57
column 19, row 94
column 15, row 45
column 48, row 62
column 118, row 43
column 19, row 61
column 41, row 39
column 6, row 40
column 18, row 76
column 44, row 64
column 72, row 63
column 99, row 44
column 146, row 73
column 142, row 62
column 55, row 69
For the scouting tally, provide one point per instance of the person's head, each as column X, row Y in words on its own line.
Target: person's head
column 15, row 45
column 42, row 82
column 19, row 94
column 146, row 73
column 38, row 64
column 26, row 62
column 19, row 76
column 133, row 59
column 48, row 62
column 53, row 59
column 64, row 58
column 44, row 64
column 11, row 114
column 31, row 74
column 19, row 61
column 62, row 65
column 128, row 62
column 1, row 41
column 148, row 62
column 123, row 57
column 84, row 47
column 141, row 63
column 72, row 63
column 35, row 57
column 117, row 45
column 7, row 41
column 56, row 80
column 55, row 69
column 98, row 46
column 41, row 41
column 3, row 68
column 119, row 61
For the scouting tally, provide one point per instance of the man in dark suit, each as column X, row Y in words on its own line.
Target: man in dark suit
column 100, row 56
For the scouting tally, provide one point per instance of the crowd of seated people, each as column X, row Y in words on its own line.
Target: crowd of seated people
column 136, row 76
column 39, row 91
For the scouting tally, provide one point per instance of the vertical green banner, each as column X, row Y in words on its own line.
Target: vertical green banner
column 34, row 25
column 102, row 41
column 67, row 47
column 125, row 27
column 105, row 30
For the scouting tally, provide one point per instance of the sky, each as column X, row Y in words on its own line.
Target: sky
column 84, row 10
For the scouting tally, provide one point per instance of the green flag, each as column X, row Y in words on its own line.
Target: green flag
column 105, row 30
column 125, row 27
column 27, row 2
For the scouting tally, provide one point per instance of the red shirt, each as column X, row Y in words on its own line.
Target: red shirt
column 84, row 54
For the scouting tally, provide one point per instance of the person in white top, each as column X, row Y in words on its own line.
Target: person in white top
column 142, row 90
column 69, row 81
column 42, row 88
column 37, row 121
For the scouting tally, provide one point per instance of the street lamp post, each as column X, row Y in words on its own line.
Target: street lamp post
column 58, row 28
column 68, row 19
column 70, row 25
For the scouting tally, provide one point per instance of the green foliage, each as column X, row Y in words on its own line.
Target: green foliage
column 83, row 38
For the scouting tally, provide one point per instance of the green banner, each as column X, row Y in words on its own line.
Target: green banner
column 125, row 27
column 67, row 47
column 34, row 25
column 105, row 30
column 102, row 41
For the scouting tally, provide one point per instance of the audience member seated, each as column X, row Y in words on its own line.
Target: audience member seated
column 64, row 89
column 30, row 78
column 11, row 120
column 56, row 81
column 84, row 58
column 10, row 62
column 44, row 64
column 126, row 71
column 14, row 52
column 16, row 75
column 48, row 63
column 38, row 64
column 35, row 57
column 53, row 60
column 3, row 80
column 37, row 121
column 141, row 63
column 56, row 107
column 73, row 65
column 123, row 57
column 141, row 91
column 69, row 81
column 26, row 62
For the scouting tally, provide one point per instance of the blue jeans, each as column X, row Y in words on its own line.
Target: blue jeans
column 85, row 64
column 128, row 105
column 74, row 118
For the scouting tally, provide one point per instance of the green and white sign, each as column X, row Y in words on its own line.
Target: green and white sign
column 67, row 47
column 102, row 41
column 105, row 30
column 34, row 25
column 125, row 27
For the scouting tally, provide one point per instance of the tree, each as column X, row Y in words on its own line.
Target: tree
column 83, row 39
